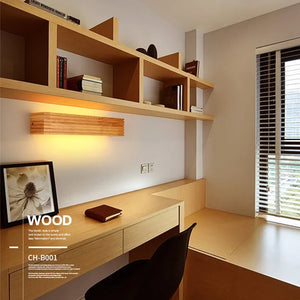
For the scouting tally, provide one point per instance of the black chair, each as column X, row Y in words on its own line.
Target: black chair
column 156, row 278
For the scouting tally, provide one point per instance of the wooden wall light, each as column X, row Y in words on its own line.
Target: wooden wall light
column 56, row 123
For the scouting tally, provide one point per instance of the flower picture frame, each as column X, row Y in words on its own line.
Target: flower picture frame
column 26, row 190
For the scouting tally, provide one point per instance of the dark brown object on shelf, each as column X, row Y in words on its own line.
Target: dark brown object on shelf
column 152, row 51
column 142, row 50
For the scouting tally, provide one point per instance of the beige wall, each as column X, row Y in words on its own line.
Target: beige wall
column 229, row 141
column 193, row 128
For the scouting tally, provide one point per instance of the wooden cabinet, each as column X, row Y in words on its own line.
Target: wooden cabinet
column 31, row 38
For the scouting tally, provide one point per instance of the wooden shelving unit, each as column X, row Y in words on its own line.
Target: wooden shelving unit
column 42, row 33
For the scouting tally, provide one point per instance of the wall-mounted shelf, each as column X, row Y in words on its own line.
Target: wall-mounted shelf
column 35, row 78
column 37, row 93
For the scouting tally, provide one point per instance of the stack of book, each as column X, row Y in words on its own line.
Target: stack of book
column 61, row 72
column 193, row 67
column 85, row 83
column 173, row 97
column 197, row 109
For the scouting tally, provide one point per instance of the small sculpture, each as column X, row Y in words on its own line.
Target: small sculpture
column 150, row 52
column 142, row 50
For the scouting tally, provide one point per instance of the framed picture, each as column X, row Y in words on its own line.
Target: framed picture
column 27, row 190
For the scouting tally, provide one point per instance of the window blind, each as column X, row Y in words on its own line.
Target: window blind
column 278, row 133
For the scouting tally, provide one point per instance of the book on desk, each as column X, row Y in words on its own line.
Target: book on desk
column 103, row 213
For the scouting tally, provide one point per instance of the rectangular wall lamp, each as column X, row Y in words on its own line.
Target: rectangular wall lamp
column 56, row 123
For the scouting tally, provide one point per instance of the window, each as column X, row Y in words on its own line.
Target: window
column 278, row 132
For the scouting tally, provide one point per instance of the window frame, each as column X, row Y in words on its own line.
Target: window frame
column 274, row 140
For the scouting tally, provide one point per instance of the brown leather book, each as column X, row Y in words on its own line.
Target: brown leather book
column 103, row 212
column 193, row 67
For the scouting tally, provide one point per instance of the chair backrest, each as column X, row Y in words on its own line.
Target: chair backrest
column 166, row 267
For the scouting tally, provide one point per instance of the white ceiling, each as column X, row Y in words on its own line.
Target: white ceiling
column 209, row 15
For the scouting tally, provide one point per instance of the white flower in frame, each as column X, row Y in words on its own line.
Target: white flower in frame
column 29, row 191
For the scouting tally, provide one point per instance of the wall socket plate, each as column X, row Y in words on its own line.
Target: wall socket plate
column 144, row 168
column 151, row 167
column 147, row 168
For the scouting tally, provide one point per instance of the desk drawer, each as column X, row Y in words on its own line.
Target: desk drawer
column 87, row 257
column 144, row 231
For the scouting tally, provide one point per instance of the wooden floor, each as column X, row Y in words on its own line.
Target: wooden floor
column 238, row 257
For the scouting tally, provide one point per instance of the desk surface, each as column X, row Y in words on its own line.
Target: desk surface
column 268, row 248
column 136, row 206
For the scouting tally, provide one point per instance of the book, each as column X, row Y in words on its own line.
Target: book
column 61, row 72
column 193, row 67
column 87, row 77
column 85, row 83
column 173, row 97
column 196, row 109
column 73, row 19
column 46, row 8
column 57, row 71
column 92, row 78
column 180, row 97
column 103, row 212
column 53, row 11
column 64, row 76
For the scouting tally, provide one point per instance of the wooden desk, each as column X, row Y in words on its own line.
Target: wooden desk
column 238, row 257
column 90, row 243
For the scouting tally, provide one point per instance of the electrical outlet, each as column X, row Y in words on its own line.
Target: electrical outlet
column 144, row 168
column 151, row 167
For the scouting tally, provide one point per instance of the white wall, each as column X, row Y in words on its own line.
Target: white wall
column 92, row 167
column 229, row 141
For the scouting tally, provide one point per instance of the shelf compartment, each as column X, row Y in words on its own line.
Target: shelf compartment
column 186, row 90
column 167, row 75
column 19, row 90
column 92, row 46
column 24, row 48
column 126, row 67
column 197, row 82
column 159, row 70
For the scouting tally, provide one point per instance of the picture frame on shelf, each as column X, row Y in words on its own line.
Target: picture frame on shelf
column 27, row 189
